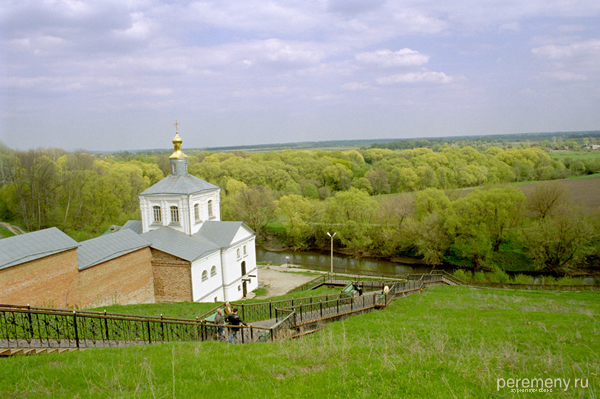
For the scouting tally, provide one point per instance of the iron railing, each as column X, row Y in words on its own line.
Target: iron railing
column 35, row 327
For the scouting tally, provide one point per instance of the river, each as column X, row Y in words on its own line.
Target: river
column 341, row 263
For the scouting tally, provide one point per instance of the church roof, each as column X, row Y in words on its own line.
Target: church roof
column 109, row 246
column 180, row 244
column 221, row 233
column 185, row 184
column 31, row 246
column 135, row 225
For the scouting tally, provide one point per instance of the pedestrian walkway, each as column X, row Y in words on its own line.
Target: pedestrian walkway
column 24, row 329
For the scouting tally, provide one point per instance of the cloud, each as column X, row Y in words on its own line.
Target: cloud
column 355, row 86
column 510, row 26
column 566, row 76
column 573, row 62
column 416, row 77
column 389, row 58
column 353, row 7
column 589, row 48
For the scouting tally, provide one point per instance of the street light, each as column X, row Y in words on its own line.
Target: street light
column 331, row 236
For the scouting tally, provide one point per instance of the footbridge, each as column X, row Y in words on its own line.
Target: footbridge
column 31, row 330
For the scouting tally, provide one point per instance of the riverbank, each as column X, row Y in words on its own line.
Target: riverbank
column 279, row 280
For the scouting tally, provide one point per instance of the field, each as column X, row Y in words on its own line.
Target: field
column 448, row 342
column 583, row 190
column 576, row 155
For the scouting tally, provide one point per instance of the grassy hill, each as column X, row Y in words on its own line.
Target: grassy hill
column 446, row 342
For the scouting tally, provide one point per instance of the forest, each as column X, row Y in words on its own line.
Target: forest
column 449, row 203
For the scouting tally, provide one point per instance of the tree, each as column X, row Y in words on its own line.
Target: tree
column 430, row 201
column 255, row 206
column 560, row 242
column 300, row 212
column 432, row 239
column 491, row 211
column 35, row 181
column 310, row 191
column 547, row 199
column 351, row 212
column 378, row 180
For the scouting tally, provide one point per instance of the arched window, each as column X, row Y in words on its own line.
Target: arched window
column 213, row 271
column 238, row 252
column 204, row 275
column 210, row 208
column 197, row 212
column 245, row 250
column 174, row 214
column 157, row 215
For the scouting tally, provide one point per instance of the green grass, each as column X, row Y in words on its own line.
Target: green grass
column 276, row 226
column 4, row 232
column 260, row 292
column 576, row 155
column 447, row 342
column 180, row 310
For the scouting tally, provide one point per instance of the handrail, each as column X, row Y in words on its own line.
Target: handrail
column 26, row 326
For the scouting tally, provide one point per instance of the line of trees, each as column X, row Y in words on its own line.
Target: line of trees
column 361, row 194
column 80, row 193
column 487, row 228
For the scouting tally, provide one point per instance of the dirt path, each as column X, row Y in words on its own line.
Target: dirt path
column 278, row 280
column 16, row 230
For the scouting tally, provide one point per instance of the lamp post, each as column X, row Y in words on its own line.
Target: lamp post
column 331, row 236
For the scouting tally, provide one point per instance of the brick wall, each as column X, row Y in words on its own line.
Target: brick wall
column 172, row 277
column 125, row 280
column 49, row 281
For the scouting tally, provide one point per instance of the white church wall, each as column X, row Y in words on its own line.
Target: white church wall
column 251, row 267
column 165, row 202
column 203, row 209
column 232, row 259
column 206, row 290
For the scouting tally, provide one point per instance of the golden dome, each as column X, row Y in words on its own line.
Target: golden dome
column 177, row 153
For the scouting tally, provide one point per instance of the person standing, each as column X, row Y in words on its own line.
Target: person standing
column 228, row 310
column 234, row 320
column 219, row 322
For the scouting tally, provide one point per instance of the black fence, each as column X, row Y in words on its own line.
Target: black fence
column 36, row 327
column 31, row 327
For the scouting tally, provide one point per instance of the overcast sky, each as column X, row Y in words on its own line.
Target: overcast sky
column 116, row 75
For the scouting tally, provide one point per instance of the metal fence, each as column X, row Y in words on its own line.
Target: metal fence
column 30, row 327
column 36, row 327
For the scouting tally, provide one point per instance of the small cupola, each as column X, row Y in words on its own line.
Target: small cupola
column 178, row 159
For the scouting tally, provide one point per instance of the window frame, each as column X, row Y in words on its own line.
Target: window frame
column 174, row 212
column 157, row 214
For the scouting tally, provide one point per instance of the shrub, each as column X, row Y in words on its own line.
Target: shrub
column 547, row 280
column 523, row 279
column 479, row 277
column 568, row 281
column 462, row 274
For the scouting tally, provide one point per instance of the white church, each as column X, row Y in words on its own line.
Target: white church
column 180, row 250
column 181, row 218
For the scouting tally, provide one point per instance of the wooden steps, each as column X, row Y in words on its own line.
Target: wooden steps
column 35, row 351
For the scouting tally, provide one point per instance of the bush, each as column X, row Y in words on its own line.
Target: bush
column 523, row 279
column 462, row 274
column 568, row 281
column 479, row 277
column 498, row 276
column 547, row 280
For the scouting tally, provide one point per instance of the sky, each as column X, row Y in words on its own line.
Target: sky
column 106, row 75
